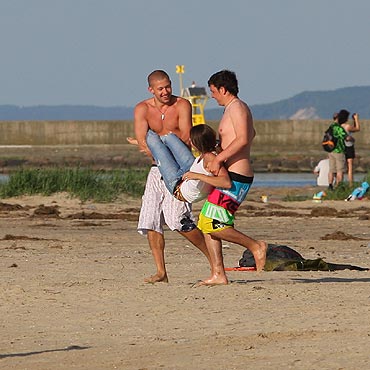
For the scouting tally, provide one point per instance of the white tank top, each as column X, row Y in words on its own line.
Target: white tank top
column 196, row 190
column 349, row 140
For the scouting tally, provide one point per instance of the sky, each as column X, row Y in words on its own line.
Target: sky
column 95, row 52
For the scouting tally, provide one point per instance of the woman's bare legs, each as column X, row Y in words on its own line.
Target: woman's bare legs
column 257, row 247
column 350, row 171
column 218, row 276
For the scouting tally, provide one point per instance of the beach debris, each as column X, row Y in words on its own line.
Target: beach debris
column 317, row 198
column 324, row 212
column 264, row 198
column 359, row 192
column 47, row 211
column 11, row 207
column 340, row 235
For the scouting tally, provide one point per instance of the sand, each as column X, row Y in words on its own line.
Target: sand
column 73, row 296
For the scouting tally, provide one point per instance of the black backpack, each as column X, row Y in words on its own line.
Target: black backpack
column 275, row 252
column 283, row 258
column 329, row 141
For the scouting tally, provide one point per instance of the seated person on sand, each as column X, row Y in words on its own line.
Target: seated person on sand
column 186, row 177
column 321, row 170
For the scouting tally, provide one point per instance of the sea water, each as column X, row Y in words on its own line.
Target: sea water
column 277, row 180
column 3, row 178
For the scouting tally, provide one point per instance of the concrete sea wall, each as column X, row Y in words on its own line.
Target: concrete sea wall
column 280, row 146
column 284, row 134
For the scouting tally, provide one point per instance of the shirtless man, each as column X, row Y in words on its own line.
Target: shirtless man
column 216, row 219
column 163, row 113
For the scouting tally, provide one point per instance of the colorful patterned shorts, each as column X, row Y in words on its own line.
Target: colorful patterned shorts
column 218, row 211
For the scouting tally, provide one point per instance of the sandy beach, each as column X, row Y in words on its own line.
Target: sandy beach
column 73, row 296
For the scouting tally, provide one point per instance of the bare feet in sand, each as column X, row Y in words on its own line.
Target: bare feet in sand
column 156, row 279
column 212, row 281
column 260, row 256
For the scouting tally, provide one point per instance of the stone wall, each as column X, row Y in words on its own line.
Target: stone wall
column 64, row 132
column 285, row 134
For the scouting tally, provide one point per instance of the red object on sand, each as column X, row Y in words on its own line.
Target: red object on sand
column 240, row 268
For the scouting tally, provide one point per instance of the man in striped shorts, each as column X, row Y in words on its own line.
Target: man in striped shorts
column 216, row 219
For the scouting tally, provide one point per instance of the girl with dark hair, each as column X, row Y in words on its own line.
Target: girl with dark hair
column 186, row 177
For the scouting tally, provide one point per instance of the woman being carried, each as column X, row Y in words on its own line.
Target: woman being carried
column 185, row 176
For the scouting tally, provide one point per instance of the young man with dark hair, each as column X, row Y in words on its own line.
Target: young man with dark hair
column 216, row 219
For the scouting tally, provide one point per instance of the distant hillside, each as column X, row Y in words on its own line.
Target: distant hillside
column 306, row 105
column 311, row 105
column 64, row 113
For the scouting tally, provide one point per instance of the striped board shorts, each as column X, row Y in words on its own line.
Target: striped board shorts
column 159, row 207
column 218, row 212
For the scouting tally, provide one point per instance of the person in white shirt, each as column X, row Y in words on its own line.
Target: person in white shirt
column 322, row 171
column 186, row 177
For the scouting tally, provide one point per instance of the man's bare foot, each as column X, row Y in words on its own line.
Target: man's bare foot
column 260, row 256
column 156, row 279
column 212, row 281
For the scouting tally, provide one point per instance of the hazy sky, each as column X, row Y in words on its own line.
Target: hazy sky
column 99, row 52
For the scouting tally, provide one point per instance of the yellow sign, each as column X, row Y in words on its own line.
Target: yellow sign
column 198, row 119
column 197, row 97
column 180, row 69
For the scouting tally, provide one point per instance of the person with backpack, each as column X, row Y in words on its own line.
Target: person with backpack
column 336, row 156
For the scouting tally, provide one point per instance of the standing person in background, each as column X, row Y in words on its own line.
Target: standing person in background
column 216, row 218
column 349, row 143
column 336, row 157
column 163, row 113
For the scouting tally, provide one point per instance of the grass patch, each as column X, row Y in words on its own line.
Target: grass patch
column 102, row 186
column 343, row 190
column 296, row 198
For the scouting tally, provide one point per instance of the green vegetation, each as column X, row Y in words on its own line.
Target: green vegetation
column 296, row 198
column 339, row 193
column 343, row 190
column 106, row 186
column 103, row 186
